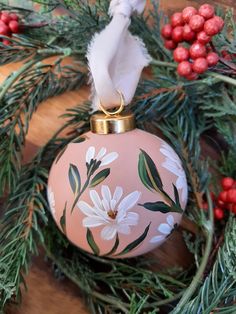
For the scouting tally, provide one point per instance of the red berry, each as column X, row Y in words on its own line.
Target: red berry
column 188, row 34
column 231, row 196
column 203, row 38
column 227, row 183
column 188, row 12
column 14, row 17
column 166, row 31
column 200, row 65
column 177, row 19
column 197, row 50
column 234, row 208
column 177, row 34
column 221, row 204
column 212, row 59
column 4, row 30
column 219, row 21
column 14, row 26
column 184, row 68
column 181, row 54
column 207, row 11
column 5, row 17
column 211, row 27
column 196, row 22
column 219, row 213
column 170, row 44
column 192, row 76
column 6, row 42
column 223, row 196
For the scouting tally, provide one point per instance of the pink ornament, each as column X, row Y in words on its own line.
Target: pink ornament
column 117, row 195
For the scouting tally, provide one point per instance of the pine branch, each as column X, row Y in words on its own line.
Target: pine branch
column 20, row 96
column 25, row 216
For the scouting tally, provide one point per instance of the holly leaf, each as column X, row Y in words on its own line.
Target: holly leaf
column 148, row 172
column 63, row 220
column 92, row 242
column 74, row 178
column 115, row 246
column 135, row 243
column 99, row 177
column 157, row 207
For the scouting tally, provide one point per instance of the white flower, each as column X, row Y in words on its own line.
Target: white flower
column 110, row 211
column 165, row 229
column 51, row 200
column 105, row 159
column 173, row 164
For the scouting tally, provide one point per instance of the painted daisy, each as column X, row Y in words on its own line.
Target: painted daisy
column 51, row 200
column 101, row 156
column 110, row 211
column 173, row 164
column 165, row 229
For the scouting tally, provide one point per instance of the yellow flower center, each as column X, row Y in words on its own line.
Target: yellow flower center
column 112, row 214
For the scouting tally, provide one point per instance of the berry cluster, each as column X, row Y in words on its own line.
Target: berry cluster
column 196, row 28
column 226, row 199
column 8, row 25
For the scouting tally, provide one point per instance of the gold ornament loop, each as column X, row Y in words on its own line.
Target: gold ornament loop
column 119, row 110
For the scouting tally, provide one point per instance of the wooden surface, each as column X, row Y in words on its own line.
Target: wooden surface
column 46, row 294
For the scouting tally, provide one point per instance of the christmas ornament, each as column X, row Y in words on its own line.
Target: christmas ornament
column 186, row 27
column 121, row 190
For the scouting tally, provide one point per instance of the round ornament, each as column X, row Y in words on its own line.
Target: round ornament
column 119, row 191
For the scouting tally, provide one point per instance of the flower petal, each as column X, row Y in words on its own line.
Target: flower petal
column 90, row 154
column 109, row 158
column 125, row 229
column 101, row 153
column 93, row 221
column 184, row 193
column 106, row 205
column 95, row 199
column 118, row 194
column 108, row 232
column 157, row 239
column 130, row 219
column 129, row 201
column 106, row 193
column 86, row 208
column 164, row 228
column 171, row 221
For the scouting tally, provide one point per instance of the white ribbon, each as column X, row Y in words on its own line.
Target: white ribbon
column 116, row 58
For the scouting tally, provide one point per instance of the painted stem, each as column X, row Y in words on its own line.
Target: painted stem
column 198, row 277
column 217, row 76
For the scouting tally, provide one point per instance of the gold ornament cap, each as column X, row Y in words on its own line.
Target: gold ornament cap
column 104, row 124
column 115, row 121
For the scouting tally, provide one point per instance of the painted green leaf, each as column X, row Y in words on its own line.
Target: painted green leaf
column 99, row 177
column 157, row 207
column 176, row 196
column 92, row 242
column 135, row 243
column 74, row 178
column 148, row 172
column 79, row 140
column 63, row 220
column 115, row 246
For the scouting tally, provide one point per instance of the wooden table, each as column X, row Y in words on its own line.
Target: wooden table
column 47, row 295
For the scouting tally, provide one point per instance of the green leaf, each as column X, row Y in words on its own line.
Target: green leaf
column 63, row 220
column 157, row 207
column 74, row 178
column 79, row 140
column 60, row 154
column 176, row 196
column 99, row 177
column 115, row 246
column 92, row 242
column 135, row 243
column 148, row 172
